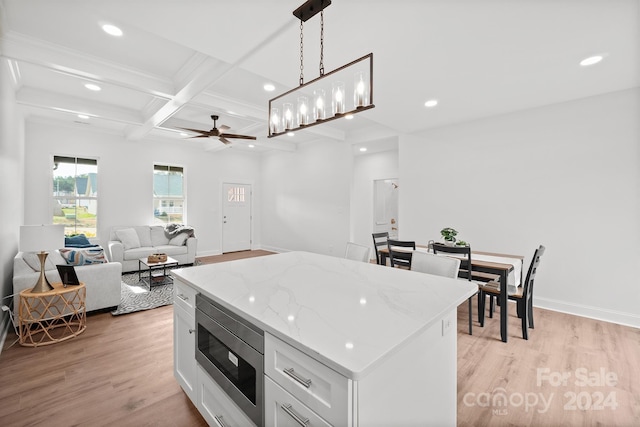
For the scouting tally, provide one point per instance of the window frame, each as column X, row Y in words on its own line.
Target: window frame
column 169, row 201
column 92, row 202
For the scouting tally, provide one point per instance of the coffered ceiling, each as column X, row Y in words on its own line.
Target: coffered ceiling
column 180, row 61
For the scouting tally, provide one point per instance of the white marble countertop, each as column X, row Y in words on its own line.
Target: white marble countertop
column 348, row 315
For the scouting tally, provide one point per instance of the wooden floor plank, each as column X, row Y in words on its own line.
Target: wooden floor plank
column 120, row 372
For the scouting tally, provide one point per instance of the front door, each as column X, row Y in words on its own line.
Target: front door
column 236, row 217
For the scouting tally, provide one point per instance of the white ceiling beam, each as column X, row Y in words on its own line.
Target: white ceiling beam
column 63, row 60
column 73, row 105
column 205, row 75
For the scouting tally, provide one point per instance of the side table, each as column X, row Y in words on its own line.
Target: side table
column 52, row 316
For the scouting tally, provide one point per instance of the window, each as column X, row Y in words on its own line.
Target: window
column 235, row 194
column 75, row 195
column 168, row 194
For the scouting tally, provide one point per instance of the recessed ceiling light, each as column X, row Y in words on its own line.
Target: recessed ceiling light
column 269, row 87
column 83, row 116
column 591, row 60
column 112, row 30
column 251, row 145
column 349, row 116
column 290, row 133
column 92, row 86
column 431, row 103
column 363, row 149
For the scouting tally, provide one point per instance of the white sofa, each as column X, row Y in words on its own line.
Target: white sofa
column 102, row 281
column 127, row 248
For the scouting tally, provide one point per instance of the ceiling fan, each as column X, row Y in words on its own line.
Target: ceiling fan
column 221, row 133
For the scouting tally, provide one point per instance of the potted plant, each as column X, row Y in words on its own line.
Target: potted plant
column 449, row 235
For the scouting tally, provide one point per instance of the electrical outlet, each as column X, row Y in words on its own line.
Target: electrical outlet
column 446, row 326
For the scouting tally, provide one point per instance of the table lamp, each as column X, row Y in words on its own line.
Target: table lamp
column 41, row 238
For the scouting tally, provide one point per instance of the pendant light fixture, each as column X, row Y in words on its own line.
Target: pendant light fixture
column 349, row 88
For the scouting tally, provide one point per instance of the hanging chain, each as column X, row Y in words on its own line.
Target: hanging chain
column 301, row 56
column 322, row 43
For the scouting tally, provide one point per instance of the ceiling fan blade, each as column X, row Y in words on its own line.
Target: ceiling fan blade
column 231, row 135
column 224, row 140
column 201, row 132
column 198, row 136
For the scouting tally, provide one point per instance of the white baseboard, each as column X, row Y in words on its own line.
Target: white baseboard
column 619, row 317
column 207, row 253
column 274, row 249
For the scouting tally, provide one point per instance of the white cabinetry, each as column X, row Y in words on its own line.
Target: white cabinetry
column 319, row 388
column 184, row 337
column 284, row 410
column 414, row 386
column 216, row 407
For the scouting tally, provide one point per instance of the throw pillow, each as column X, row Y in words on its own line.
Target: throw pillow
column 83, row 256
column 179, row 240
column 129, row 238
column 79, row 241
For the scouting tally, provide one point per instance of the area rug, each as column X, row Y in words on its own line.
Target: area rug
column 136, row 295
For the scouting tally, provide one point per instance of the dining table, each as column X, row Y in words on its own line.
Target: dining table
column 507, row 268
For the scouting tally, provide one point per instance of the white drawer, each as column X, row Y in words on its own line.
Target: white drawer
column 283, row 410
column 216, row 407
column 184, row 296
column 322, row 389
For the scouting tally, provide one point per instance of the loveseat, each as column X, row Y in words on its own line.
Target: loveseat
column 102, row 279
column 127, row 244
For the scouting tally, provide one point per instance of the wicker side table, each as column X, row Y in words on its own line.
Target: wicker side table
column 53, row 316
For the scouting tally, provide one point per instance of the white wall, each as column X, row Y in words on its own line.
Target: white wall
column 566, row 176
column 306, row 198
column 366, row 169
column 11, row 190
column 125, row 175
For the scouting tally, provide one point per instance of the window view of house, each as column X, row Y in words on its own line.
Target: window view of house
column 75, row 195
column 168, row 194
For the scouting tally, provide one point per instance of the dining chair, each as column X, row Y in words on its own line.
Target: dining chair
column 462, row 253
column 357, row 252
column 523, row 295
column 379, row 240
column 433, row 264
column 400, row 252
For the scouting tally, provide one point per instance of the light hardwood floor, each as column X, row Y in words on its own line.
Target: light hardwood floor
column 120, row 372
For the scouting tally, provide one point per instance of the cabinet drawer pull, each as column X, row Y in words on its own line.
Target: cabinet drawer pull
column 286, row 407
column 305, row 382
column 182, row 297
column 219, row 420
column 191, row 330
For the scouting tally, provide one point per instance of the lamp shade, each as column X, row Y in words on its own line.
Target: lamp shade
column 37, row 238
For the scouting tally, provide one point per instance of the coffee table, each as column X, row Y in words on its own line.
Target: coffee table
column 157, row 271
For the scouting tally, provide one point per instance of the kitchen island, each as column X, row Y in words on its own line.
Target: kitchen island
column 377, row 344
